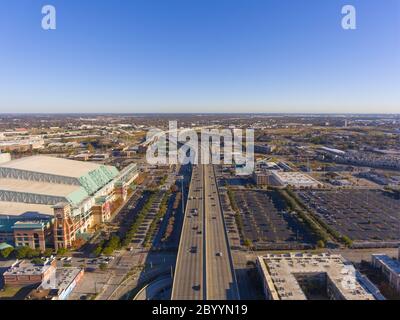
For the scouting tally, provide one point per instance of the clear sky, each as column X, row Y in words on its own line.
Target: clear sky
column 200, row 56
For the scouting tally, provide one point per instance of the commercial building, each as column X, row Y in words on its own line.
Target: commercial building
column 302, row 276
column 262, row 177
column 23, row 273
column 74, row 196
column 389, row 267
column 64, row 283
column 294, row 179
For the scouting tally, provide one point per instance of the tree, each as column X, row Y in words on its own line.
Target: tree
column 37, row 261
column 247, row 242
column 103, row 266
column 5, row 253
column 62, row 251
column 48, row 252
column 26, row 252
column 90, row 148
column 320, row 244
column 96, row 252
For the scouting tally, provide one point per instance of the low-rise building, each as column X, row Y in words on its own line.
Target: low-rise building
column 302, row 276
column 60, row 288
column 294, row 179
column 389, row 267
column 23, row 273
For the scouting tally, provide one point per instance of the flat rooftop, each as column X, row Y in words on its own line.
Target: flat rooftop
column 52, row 165
column 19, row 209
column 391, row 264
column 25, row 267
column 294, row 177
column 280, row 270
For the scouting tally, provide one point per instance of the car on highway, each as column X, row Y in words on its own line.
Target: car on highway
column 219, row 254
column 193, row 249
column 196, row 287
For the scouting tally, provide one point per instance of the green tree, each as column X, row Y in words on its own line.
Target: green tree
column 48, row 252
column 26, row 252
column 37, row 261
column 103, row 266
column 5, row 253
column 62, row 251
column 247, row 242
column 320, row 244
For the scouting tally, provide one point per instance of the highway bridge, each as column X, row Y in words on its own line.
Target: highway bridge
column 204, row 268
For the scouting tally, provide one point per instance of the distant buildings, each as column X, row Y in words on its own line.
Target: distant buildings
column 361, row 158
column 21, row 144
column 298, row 276
column 42, row 196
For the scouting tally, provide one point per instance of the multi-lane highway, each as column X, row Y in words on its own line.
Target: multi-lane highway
column 204, row 269
column 220, row 277
column 189, row 277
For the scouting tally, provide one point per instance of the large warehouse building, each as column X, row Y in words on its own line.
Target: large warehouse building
column 70, row 196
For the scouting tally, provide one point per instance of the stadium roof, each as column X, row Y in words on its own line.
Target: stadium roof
column 25, row 209
column 52, row 165
column 90, row 176
column 26, row 190
column 37, row 187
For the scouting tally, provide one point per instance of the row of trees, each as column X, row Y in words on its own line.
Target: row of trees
column 238, row 218
column 294, row 205
column 24, row 253
column 139, row 218
column 108, row 247
column 156, row 221
column 320, row 228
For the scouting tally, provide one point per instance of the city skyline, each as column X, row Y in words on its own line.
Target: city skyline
column 200, row 57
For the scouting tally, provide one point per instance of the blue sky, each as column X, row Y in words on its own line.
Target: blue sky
column 200, row 56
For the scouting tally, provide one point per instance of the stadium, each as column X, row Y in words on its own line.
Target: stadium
column 44, row 198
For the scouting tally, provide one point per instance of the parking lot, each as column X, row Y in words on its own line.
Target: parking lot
column 361, row 215
column 266, row 222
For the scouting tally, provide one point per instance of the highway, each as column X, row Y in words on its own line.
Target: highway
column 204, row 268
column 189, row 279
column 220, row 277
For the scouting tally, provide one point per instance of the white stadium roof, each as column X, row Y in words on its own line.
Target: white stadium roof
column 52, row 165
column 38, row 187
column 18, row 209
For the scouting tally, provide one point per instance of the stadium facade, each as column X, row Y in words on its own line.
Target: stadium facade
column 57, row 199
